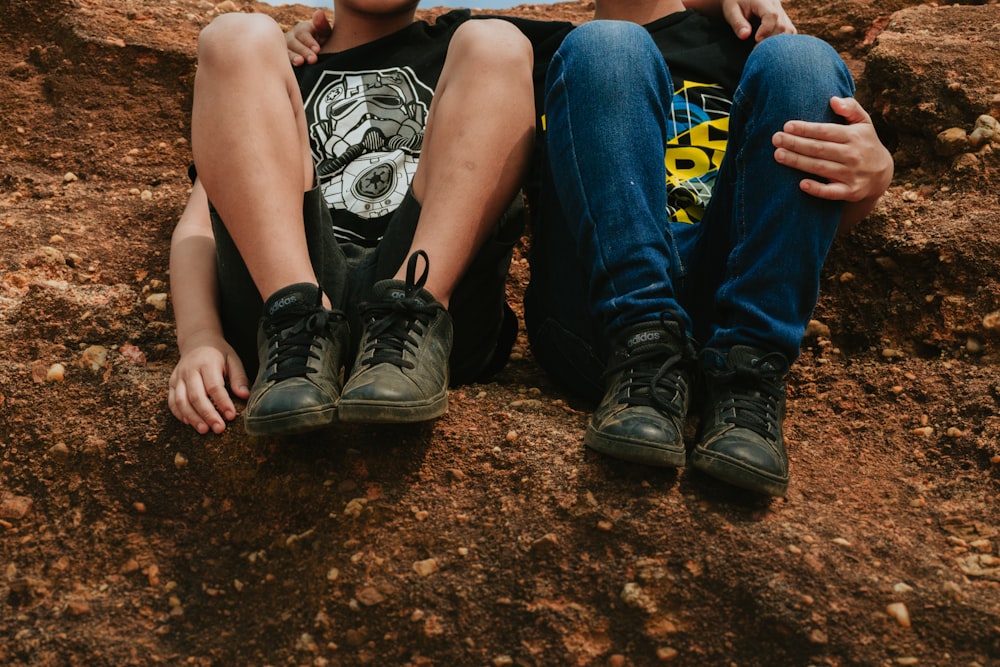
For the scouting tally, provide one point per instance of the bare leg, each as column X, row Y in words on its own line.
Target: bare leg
column 476, row 148
column 251, row 147
column 252, row 152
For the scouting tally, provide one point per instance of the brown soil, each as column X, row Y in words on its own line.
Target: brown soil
column 490, row 537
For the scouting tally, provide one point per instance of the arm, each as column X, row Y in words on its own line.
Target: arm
column 772, row 16
column 848, row 160
column 198, row 394
column 307, row 37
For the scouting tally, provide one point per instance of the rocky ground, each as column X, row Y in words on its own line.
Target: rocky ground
column 490, row 537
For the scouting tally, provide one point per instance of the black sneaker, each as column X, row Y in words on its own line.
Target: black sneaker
column 641, row 417
column 301, row 346
column 741, row 441
column 401, row 372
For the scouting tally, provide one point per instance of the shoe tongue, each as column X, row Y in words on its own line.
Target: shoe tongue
column 745, row 357
column 292, row 298
column 644, row 337
column 395, row 290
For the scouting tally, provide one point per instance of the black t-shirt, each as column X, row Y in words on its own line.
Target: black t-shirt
column 705, row 59
column 366, row 110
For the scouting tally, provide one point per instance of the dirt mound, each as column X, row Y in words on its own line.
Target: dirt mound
column 490, row 537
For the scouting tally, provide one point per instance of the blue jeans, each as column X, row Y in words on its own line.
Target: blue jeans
column 604, row 255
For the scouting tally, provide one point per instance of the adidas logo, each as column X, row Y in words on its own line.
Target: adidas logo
column 282, row 302
column 644, row 337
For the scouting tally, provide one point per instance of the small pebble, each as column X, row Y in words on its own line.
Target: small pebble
column 816, row 329
column 898, row 611
column 14, row 507
column 426, row 567
column 545, row 543
column 78, row 608
column 59, row 450
column 817, row 636
column 94, row 357
column 157, row 301
column 180, row 460
column 952, row 141
column 56, row 373
column 369, row 596
column 666, row 654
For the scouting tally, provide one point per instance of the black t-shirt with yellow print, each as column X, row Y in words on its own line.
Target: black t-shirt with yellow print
column 705, row 60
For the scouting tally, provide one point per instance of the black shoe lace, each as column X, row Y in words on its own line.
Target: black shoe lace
column 392, row 324
column 295, row 332
column 751, row 397
column 644, row 383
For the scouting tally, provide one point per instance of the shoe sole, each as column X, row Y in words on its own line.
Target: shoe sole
column 737, row 473
column 651, row 454
column 291, row 423
column 380, row 412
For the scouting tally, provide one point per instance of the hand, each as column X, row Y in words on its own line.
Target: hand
column 198, row 395
column 307, row 37
column 773, row 19
column 852, row 162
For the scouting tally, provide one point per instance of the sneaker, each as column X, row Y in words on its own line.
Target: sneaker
column 301, row 347
column 401, row 372
column 741, row 441
column 641, row 417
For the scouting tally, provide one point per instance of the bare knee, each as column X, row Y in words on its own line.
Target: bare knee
column 236, row 38
column 493, row 43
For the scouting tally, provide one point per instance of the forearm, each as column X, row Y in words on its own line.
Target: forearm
column 855, row 212
column 193, row 279
column 708, row 7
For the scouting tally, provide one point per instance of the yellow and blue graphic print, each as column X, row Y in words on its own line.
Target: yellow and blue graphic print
column 697, row 133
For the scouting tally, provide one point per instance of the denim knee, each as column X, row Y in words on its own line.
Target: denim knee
column 800, row 71
column 606, row 53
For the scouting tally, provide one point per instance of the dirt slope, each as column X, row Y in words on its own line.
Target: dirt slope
column 490, row 537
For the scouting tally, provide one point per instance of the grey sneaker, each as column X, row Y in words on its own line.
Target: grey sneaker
column 641, row 417
column 401, row 372
column 741, row 440
column 301, row 346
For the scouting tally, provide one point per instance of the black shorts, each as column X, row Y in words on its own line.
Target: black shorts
column 485, row 327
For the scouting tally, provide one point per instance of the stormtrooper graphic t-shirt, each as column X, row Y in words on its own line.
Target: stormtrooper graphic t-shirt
column 366, row 110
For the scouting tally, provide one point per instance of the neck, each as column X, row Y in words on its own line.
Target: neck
column 353, row 28
column 636, row 11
